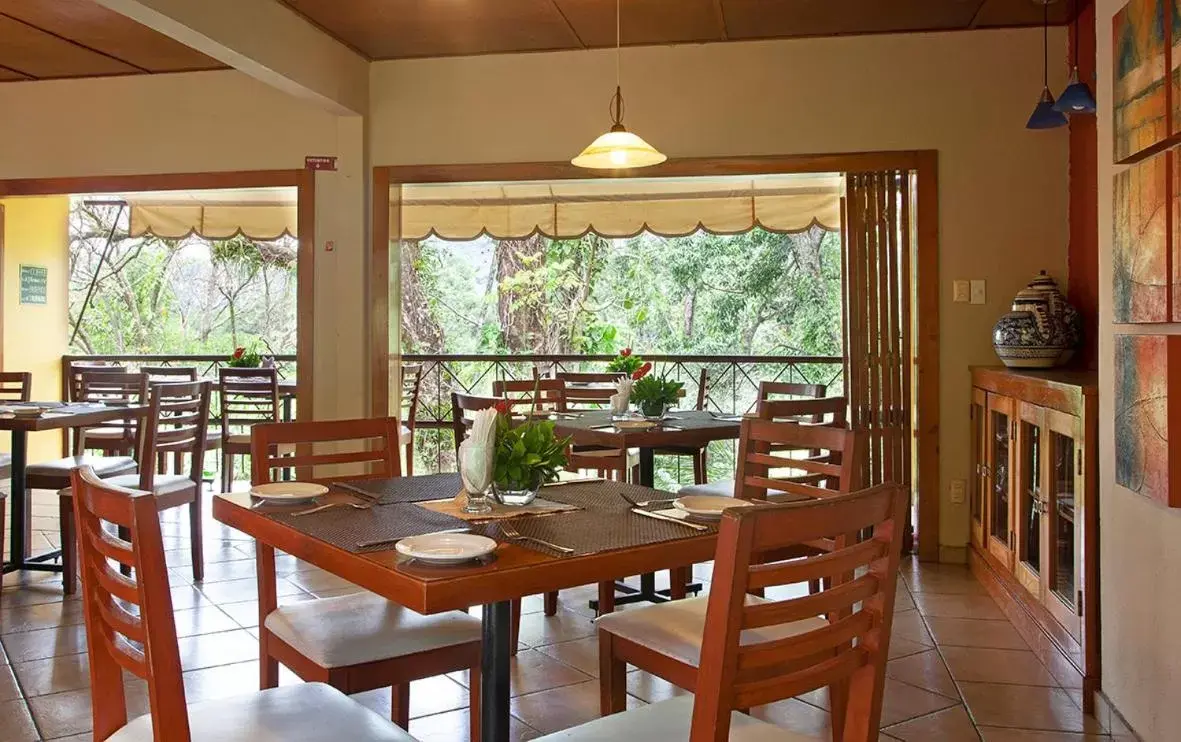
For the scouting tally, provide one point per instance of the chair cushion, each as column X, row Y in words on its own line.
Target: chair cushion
column 668, row 721
column 674, row 629
column 165, row 484
column 363, row 627
column 307, row 712
column 104, row 466
column 238, row 439
column 108, row 434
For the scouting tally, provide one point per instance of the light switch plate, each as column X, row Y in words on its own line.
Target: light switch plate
column 958, row 491
column 978, row 294
column 961, row 291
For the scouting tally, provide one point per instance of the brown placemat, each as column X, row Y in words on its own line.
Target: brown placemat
column 407, row 489
column 455, row 505
column 344, row 528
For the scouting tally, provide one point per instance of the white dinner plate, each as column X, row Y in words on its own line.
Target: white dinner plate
column 708, row 506
column 288, row 491
column 634, row 424
column 25, row 410
column 446, row 548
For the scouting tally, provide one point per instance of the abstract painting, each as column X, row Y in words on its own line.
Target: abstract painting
column 1141, row 243
column 1147, row 377
column 1142, row 50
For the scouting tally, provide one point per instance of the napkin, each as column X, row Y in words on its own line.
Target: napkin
column 623, row 393
column 477, row 452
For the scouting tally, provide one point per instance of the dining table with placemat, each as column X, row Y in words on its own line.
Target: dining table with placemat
column 575, row 533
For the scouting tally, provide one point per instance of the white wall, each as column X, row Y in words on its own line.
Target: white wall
column 1003, row 189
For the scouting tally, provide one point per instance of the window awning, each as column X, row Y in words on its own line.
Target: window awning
column 624, row 207
column 260, row 214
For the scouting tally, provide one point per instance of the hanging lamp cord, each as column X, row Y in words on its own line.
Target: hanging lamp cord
column 1046, row 43
column 617, row 99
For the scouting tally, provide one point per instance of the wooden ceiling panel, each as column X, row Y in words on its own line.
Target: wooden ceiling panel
column 7, row 75
column 645, row 21
column 758, row 19
column 388, row 29
column 43, row 55
column 91, row 25
column 996, row 13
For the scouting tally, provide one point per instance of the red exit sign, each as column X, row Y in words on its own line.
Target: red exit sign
column 319, row 163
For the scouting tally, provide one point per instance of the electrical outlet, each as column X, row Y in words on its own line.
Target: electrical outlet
column 959, row 490
column 961, row 291
column 978, row 295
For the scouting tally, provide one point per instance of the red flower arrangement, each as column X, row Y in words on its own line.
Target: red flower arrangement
column 502, row 407
column 642, row 371
column 625, row 362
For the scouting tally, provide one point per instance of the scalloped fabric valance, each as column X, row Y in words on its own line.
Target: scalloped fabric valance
column 261, row 214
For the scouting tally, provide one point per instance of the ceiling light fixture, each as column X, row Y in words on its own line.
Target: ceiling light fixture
column 1077, row 97
column 618, row 148
column 1045, row 116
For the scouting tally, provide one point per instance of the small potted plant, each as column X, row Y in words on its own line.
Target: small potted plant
column 244, row 358
column 654, row 395
column 626, row 362
column 526, row 457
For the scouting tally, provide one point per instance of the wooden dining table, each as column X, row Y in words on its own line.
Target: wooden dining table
column 608, row 539
column 61, row 416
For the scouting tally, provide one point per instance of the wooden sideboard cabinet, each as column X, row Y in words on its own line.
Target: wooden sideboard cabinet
column 1034, row 508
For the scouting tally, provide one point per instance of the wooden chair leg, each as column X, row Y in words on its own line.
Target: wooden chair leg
column 838, row 694
column 264, row 562
column 516, row 613
column 474, row 702
column 227, row 472
column 69, row 549
column 400, row 705
column 678, row 579
column 612, row 677
column 551, row 603
column 161, row 463
column 197, row 546
column 699, row 467
column 410, row 458
column 606, row 598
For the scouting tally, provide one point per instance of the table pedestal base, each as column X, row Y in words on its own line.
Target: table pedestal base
column 646, row 593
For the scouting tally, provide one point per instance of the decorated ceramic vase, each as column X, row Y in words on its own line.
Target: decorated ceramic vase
column 1042, row 330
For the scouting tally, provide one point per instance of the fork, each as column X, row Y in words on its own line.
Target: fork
column 328, row 505
column 512, row 533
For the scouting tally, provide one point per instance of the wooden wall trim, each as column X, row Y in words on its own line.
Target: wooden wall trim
column 2, row 367
column 1082, row 287
column 305, row 296
column 160, row 182
column 927, row 348
column 379, row 296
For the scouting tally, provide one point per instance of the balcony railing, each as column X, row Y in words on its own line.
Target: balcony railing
column 731, row 387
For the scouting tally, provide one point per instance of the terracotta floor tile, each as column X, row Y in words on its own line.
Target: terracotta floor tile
column 245, row 614
column 53, row 675
column 652, row 689
column 234, row 591
column 948, row 725
column 65, row 714
column 975, row 664
column 1025, row 707
column 42, row 616
column 925, row 670
column 799, row 717
column 562, row 708
column 36, row 645
column 533, row 671
column 909, row 626
column 958, row 606
column 999, row 734
column 16, row 723
column 203, row 620
column 904, row 648
column 968, row 632
column 40, row 592
column 453, row 726
column 427, row 697
column 211, row 650
column 538, row 629
column 952, row 579
column 9, row 690
column 582, row 654
column 903, row 601
column 901, row 702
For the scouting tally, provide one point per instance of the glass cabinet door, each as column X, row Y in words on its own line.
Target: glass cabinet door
column 1000, row 442
column 1029, row 483
column 1063, row 513
column 978, row 483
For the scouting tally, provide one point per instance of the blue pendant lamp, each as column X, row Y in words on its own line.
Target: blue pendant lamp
column 1045, row 115
column 1077, row 97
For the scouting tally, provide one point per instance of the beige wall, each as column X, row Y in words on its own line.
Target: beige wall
column 213, row 121
column 1002, row 188
column 1140, row 541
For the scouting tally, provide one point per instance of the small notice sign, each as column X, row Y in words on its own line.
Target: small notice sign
column 319, row 163
column 34, row 281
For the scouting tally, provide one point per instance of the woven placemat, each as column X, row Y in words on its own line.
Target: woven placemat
column 407, row 489
column 455, row 505
column 344, row 528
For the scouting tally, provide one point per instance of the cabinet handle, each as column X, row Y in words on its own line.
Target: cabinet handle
column 1079, row 603
column 1080, row 462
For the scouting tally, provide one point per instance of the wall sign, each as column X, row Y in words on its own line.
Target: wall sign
column 34, row 280
column 312, row 162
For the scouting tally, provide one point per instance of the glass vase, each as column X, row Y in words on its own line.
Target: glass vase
column 516, row 494
column 653, row 410
column 475, row 471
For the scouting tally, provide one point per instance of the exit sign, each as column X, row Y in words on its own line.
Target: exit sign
column 319, row 163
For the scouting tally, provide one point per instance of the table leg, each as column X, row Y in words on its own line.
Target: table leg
column 19, row 496
column 647, row 468
column 494, row 672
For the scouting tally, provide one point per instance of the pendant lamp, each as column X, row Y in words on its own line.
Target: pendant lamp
column 618, row 148
column 1045, row 115
column 1077, row 97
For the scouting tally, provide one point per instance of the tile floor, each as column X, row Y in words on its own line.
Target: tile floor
column 958, row 670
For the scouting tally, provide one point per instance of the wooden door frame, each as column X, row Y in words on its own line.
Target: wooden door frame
column 302, row 180
column 925, row 163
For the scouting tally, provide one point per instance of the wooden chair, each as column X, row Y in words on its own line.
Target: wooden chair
column 536, row 395
column 696, row 453
column 584, row 398
column 248, row 396
column 411, row 387
column 361, row 641
column 612, row 463
column 157, row 374
column 461, row 404
column 115, row 437
column 130, row 627
column 15, row 386
column 72, row 391
column 735, row 651
column 178, row 416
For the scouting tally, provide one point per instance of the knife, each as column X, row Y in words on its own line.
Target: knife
column 670, row 519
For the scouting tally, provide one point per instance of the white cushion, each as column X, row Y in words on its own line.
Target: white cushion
column 405, row 435
column 668, row 721
column 165, row 484
column 363, row 627
column 675, row 628
column 308, row 712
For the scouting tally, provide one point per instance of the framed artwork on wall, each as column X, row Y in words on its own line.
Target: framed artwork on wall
column 1142, row 45
column 1142, row 237
column 1147, row 415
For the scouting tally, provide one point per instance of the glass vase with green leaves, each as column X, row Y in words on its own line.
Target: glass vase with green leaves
column 655, row 395
column 527, row 456
column 626, row 362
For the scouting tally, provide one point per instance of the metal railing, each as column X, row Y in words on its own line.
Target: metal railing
column 206, row 364
column 732, row 387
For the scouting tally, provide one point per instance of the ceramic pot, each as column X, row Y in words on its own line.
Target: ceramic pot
column 1042, row 330
column 653, row 410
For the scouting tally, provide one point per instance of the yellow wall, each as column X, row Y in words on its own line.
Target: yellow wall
column 36, row 232
column 1140, row 541
column 1003, row 189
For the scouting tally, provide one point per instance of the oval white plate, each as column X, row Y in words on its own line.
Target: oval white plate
column 446, row 548
column 288, row 491
column 708, row 506
column 634, row 424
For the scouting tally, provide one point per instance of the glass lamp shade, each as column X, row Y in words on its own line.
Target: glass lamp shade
column 1077, row 97
column 616, row 150
column 1045, row 116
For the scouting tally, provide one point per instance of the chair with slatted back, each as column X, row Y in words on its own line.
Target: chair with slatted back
column 15, row 386
column 588, row 390
column 461, row 404
column 73, row 387
column 695, row 453
column 411, row 387
column 734, row 650
column 526, row 397
column 613, row 463
column 249, row 396
column 130, row 627
column 177, row 418
column 361, row 641
column 157, row 374
column 114, row 437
